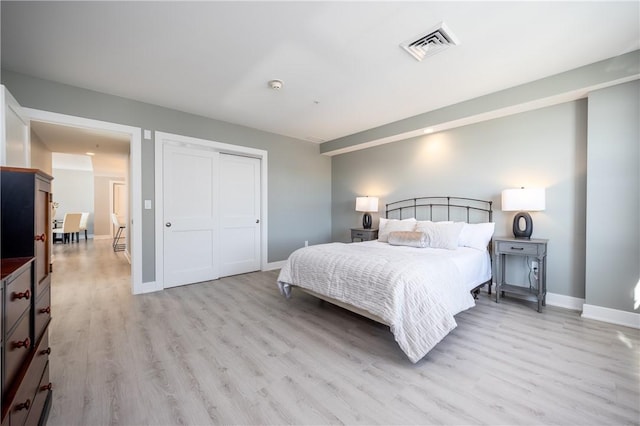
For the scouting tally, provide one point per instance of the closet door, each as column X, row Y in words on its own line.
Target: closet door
column 190, row 207
column 239, row 214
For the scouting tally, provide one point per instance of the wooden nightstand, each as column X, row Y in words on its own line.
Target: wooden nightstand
column 364, row 234
column 536, row 249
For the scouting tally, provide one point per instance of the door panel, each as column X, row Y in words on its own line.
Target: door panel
column 239, row 214
column 190, row 215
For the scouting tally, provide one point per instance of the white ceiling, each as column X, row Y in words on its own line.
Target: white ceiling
column 341, row 63
column 111, row 149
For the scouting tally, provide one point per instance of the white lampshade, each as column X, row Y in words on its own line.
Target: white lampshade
column 366, row 204
column 523, row 200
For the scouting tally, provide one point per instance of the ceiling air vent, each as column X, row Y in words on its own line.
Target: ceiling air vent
column 435, row 40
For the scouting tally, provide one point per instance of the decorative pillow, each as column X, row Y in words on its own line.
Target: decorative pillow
column 476, row 235
column 443, row 235
column 391, row 225
column 408, row 238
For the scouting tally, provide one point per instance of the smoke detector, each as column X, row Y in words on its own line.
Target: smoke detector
column 433, row 41
column 276, row 84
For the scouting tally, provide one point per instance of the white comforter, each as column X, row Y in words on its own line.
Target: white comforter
column 416, row 291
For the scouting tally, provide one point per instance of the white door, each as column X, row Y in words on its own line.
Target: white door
column 239, row 214
column 15, row 148
column 190, row 205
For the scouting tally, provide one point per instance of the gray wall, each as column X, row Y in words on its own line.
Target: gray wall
column 545, row 147
column 613, row 197
column 299, row 178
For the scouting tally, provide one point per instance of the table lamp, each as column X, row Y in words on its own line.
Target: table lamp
column 523, row 200
column 366, row 204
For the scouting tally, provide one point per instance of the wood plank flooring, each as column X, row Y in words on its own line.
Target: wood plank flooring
column 233, row 351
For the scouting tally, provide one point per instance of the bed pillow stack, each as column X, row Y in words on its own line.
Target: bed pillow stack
column 444, row 235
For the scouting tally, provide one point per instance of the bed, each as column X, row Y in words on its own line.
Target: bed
column 415, row 290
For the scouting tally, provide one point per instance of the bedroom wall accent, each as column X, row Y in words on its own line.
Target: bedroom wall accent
column 541, row 148
column 299, row 178
column 613, row 199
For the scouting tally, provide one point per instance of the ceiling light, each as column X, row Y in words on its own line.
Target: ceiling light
column 91, row 153
column 276, row 84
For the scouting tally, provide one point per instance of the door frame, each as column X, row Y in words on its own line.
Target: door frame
column 112, row 184
column 7, row 101
column 134, row 213
column 160, row 138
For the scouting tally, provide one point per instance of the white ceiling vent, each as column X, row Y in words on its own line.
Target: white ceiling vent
column 435, row 40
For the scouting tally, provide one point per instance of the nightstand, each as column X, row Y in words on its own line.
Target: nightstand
column 536, row 249
column 364, row 234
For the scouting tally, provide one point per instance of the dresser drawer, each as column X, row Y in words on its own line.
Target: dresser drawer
column 517, row 248
column 17, row 348
column 42, row 313
column 18, row 297
column 24, row 400
column 40, row 398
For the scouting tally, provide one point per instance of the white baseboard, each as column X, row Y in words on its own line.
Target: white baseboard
column 562, row 301
column 127, row 256
column 148, row 287
column 275, row 265
column 613, row 316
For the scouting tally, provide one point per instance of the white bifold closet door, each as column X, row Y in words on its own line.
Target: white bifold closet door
column 239, row 214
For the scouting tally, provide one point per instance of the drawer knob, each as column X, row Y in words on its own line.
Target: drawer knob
column 22, row 295
column 45, row 351
column 22, row 343
column 23, row 405
column 46, row 310
column 46, row 387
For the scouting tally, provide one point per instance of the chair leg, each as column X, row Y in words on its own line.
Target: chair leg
column 85, row 235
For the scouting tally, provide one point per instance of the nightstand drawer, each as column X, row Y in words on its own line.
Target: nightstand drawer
column 364, row 234
column 518, row 248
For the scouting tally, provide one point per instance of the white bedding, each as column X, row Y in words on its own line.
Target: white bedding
column 417, row 291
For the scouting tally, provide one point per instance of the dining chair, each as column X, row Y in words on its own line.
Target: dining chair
column 83, row 224
column 70, row 226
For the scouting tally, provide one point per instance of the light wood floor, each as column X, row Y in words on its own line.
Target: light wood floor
column 233, row 351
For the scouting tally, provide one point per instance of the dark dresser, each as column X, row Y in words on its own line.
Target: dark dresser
column 25, row 307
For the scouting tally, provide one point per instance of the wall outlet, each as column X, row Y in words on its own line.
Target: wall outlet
column 306, row 243
column 534, row 265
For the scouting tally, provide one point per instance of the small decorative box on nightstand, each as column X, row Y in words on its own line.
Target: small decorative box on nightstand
column 534, row 248
column 364, row 234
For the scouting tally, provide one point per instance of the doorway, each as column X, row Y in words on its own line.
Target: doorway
column 133, row 194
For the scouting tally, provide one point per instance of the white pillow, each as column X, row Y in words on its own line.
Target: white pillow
column 421, row 225
column 391, row 225
column 443, row 235
column 476, row 235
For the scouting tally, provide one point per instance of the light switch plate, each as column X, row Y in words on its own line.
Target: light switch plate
column 147, row 135
column 147, row 204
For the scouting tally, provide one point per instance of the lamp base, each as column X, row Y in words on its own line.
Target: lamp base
column 366, row 221
column 525, row 233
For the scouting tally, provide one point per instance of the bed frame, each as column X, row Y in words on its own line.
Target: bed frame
column 469, row 210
